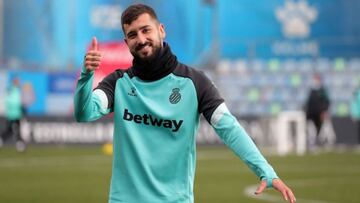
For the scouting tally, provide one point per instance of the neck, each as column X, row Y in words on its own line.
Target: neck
column 163, row 63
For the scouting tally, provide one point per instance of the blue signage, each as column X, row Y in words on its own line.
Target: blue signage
column 62, row 83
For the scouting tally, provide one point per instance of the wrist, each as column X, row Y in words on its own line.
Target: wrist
column 86, row 71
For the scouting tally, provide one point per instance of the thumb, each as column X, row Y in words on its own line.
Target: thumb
column 94, row 44
column 261, row 187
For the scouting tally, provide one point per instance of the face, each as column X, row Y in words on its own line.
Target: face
column 144, row 37
column 317, row 80
column 16, row 82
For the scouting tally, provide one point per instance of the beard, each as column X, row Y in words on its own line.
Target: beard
column 140, row 55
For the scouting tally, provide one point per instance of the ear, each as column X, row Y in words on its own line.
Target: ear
column 162, row 31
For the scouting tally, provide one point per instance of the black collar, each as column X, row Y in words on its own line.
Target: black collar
column 162, row 65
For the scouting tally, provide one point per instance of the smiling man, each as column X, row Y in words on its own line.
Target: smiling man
column 148, row 43
column 157, row 104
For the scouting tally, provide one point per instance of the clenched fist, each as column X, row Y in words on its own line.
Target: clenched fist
column 92, row 57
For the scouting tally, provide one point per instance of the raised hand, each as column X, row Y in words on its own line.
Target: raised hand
column 92, row 57
column 279, row 186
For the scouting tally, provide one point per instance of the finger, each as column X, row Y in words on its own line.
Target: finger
column 92, row 64
column 95, row 64
column 92, row 58
column 291, row 196
column 261, row 188
column 94, row 44
column 283, row 192
column 91, row 68
column 93, row 53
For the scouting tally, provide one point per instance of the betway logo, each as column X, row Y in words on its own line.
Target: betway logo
column 147, row 119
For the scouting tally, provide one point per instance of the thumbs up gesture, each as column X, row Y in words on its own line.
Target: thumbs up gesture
column 92, row 57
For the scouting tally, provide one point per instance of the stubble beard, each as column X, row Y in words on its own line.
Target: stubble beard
column 149, row 58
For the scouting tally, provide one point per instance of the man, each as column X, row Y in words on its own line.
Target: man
column 13, row 113
column 317, row 104
column 156, row 105
column 355, row 111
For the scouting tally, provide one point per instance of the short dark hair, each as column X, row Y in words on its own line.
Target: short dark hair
column 134, row 11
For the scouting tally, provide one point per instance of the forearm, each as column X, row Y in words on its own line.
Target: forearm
column 87, row 106
column 236, row 138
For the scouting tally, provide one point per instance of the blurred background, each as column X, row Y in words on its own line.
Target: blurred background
column 262, row 56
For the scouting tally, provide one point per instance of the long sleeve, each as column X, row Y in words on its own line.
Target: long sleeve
column 13, row 103
column 89, row 105
column 236, row 138
column 212, row 106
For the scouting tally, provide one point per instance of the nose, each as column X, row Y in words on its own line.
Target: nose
column 141, row 38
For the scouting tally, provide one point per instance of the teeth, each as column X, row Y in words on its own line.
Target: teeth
column 143, row 48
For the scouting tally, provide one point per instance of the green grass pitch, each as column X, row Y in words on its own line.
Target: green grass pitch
column 74, row 174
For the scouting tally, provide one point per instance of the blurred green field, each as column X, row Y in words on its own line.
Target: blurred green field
column 79, row 174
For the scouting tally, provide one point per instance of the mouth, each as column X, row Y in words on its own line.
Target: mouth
column 144, row 47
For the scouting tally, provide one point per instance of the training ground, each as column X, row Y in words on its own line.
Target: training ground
column 66, row 174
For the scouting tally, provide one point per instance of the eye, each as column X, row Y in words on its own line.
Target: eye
column 146, row 30
column 131, row 35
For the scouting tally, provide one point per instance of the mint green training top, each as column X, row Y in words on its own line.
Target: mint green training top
column 355, row 105
column 155, row 127
column 13, row 109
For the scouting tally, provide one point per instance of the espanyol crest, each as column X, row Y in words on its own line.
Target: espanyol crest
column 175, row 96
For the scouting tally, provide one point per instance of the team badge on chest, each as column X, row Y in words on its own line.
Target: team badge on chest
column 175, row 96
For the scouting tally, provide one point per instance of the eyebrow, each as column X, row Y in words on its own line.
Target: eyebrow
column 142, row 27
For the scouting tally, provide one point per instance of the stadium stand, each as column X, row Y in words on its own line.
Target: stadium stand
column 259, row 87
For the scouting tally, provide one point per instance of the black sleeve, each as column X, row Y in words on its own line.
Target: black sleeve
column 207, row 94
column 108, row 86
column 326, row 100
